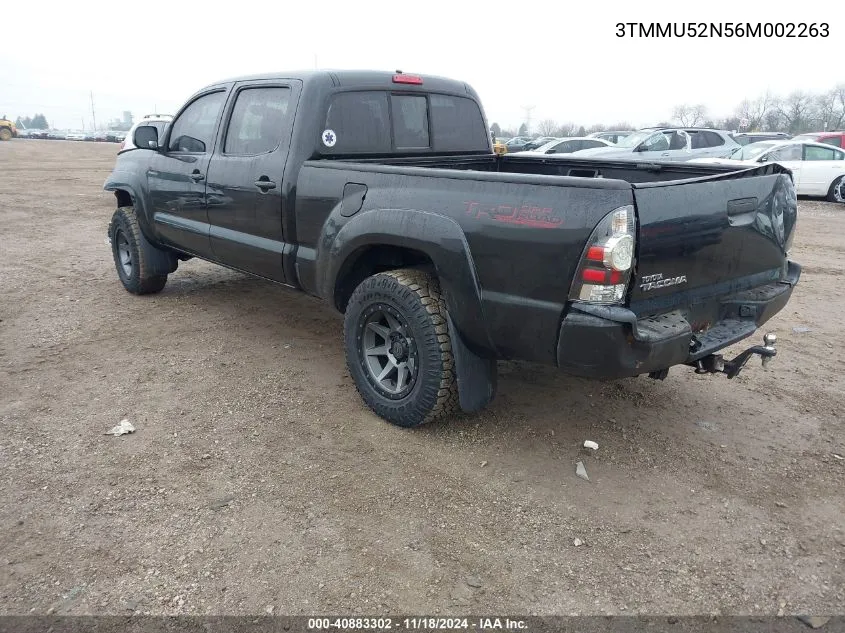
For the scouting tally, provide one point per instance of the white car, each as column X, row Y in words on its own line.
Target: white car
column 75, row 136
column 159, row 121
column 567, row 146
column 818, row 169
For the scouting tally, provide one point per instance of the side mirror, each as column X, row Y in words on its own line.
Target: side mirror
column 763, row 159
column 551, row 151
column 145, row 137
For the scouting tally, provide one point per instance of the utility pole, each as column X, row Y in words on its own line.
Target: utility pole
column 93, row 116
column 528, row 110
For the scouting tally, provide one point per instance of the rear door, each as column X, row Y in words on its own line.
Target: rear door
column 820, row 167
column 709, row 237
column 245, row 178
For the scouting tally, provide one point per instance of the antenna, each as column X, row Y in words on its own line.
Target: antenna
column 528, row 110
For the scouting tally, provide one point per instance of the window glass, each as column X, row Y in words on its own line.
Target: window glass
column 410, row 122
column 811, row 152
column 711, row 139
column 357, row 122
column 591, row 144
column 790, row 152
column 833, row 140
column 656, row 142
column 258, row 121
column 457, row 124
column 193, row 131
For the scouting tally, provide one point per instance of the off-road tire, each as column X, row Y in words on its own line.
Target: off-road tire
column 413, row 296
column 836, row 193
column 5, row 134
column 139, row 278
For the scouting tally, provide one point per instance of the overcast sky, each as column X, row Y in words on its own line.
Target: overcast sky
column 563, row 58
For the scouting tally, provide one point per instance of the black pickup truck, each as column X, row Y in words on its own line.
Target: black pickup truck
column 380, row 193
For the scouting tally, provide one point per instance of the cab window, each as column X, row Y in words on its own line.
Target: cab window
column 193, row 130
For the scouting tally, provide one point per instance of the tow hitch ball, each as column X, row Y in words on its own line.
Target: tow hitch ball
column 715, row 363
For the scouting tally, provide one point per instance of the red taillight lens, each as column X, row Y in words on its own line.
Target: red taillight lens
column 608, row 260
column 407, row 79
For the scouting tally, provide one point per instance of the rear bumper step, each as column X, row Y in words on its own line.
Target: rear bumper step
column 611, row 342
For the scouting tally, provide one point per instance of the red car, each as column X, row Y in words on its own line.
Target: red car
column 835, row 138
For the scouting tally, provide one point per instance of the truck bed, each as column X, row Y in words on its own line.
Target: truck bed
column 628, row 171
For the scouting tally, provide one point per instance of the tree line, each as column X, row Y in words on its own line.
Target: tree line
column 798, row 112
column 37, row 122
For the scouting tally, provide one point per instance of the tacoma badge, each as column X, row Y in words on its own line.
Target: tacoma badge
column 653, row 282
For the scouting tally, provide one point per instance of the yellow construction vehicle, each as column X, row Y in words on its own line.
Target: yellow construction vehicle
column 7, row 129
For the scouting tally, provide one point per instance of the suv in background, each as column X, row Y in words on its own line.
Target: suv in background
column 746, row 138
column 668, row 144
column 159, row 121
column 834, row 138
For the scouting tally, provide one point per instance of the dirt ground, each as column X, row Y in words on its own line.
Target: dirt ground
column 257, row 478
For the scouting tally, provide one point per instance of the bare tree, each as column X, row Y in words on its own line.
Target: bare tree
column 830, row 108
column 566, row 129
column 754, row 111
column 624, row 125
column 547, row 127
column 598, row 127
column 796, row 112
column 689, row 115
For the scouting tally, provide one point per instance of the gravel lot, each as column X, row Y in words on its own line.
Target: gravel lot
column 257, row 478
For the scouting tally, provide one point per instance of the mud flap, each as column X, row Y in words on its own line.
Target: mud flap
column 476, row 376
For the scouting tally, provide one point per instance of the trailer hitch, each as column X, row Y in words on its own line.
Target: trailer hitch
column 716, row 364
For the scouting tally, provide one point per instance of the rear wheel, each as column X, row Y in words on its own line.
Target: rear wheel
column 398, row 348
column 130, row 250
column 5, row 134
column 836, row 193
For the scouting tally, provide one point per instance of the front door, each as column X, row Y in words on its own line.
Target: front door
column 790, row 157
column 244, row 190
column 177, row 176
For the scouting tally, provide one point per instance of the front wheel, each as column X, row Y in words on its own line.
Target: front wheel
column 398, row 348
column 132, row 254
column 836, row 193
column 5, row 134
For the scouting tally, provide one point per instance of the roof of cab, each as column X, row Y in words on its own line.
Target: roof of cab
column 362, row 78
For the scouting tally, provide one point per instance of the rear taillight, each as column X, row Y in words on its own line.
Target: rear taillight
column 607, row 261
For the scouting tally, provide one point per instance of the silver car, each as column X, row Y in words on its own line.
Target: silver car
column 667, row 143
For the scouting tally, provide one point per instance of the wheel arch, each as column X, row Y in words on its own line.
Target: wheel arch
column 399, row 238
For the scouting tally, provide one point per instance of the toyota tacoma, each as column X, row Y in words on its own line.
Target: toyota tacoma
column 380, row 193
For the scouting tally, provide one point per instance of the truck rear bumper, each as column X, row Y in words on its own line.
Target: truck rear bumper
column 611, row 342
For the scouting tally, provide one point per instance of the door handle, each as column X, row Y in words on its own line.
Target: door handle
column 665, row 154
column 265, row 184
column 196, row 176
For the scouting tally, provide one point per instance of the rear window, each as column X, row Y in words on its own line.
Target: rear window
column 380, row 122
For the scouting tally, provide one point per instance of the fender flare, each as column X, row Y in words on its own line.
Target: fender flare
column 439, row 237
column 129, row 182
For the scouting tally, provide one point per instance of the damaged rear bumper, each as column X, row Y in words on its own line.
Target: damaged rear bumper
column 611, row 342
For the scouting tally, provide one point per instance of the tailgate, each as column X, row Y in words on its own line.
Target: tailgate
column 706, row 238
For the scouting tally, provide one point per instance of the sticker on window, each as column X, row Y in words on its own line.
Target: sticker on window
column 329, row 138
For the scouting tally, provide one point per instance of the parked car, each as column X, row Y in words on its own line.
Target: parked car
column 569, row 145
column 537, row 142
column 614, row 136
column 75, row 136
column 668, row 144
column 835, row 138
column 57, row 135
column 745, row 138
column 517, row 144
column 817, row 168
column 159, row 121
column 380, row 193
